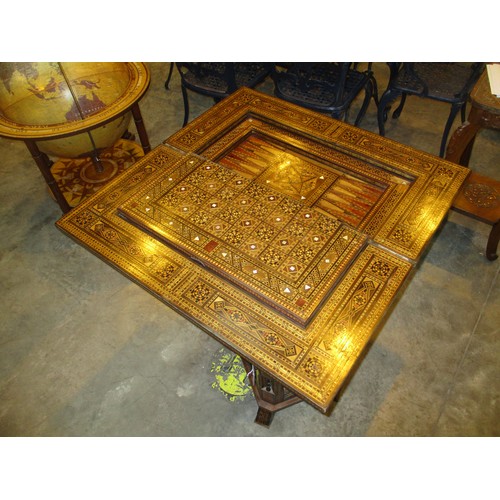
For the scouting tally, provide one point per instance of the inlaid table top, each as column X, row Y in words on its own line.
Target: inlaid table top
column 283, row 233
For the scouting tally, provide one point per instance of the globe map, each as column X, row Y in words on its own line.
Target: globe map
column 49, row 99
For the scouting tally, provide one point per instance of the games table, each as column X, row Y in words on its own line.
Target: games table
column 284, row 234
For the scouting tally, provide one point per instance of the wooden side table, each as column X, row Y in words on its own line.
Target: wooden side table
column 480, row 195
column 480, row 198
column 484, row 113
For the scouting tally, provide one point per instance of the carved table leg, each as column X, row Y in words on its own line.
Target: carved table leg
column 264, row 417
column 492, row 245
column 271, row 395
column 461, row 142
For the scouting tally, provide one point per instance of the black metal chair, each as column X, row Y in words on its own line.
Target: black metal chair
column 446, row 82
column 218, row 80
column 325, row 87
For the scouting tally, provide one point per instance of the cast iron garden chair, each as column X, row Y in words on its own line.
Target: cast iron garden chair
column 218, row 80
column 446, row 82
column 326, row 87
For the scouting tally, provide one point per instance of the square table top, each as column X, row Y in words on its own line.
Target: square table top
column 281, row 232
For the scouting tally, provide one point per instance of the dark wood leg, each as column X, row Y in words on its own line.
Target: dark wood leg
column 141, row 129
column 271, row 395
column 465, row 157
column 44, row 163
column 461, row 142
column 492, row 245
column 264, row 417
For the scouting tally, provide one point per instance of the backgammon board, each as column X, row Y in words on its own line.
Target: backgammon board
column 283, row 233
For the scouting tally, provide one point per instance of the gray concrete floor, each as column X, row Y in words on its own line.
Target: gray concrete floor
column 85, row 352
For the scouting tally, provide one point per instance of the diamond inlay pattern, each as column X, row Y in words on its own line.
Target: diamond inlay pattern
column 273, row 246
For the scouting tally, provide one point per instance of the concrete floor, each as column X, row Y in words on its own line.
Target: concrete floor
column 85, row 352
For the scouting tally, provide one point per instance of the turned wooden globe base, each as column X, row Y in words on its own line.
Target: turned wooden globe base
column 77, row 178
column 91, row 175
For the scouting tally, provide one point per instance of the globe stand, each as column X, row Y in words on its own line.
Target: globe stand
column 77, row 178
column 102, row 120
column 97, row 162
column 44, row 163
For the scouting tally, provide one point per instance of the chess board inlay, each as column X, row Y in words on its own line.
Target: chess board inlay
column 270, row 244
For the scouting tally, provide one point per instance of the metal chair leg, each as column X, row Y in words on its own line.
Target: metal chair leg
column 375, row 90
column 366, row 102
column 387, row 97
column 399, row 109
column 167, row 82
column 186, row 105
